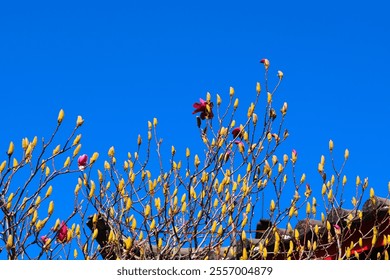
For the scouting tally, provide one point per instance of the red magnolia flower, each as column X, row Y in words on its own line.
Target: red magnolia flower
column 237, row 132
column 265, row 62
column 62, row 233
column 82, row 162
column 205, row 109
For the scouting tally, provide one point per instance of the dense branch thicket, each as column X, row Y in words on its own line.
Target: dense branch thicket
column 202, row 207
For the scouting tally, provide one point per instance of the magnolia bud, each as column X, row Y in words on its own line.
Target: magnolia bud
column 331, row 145
column 231, row 91
column 79, row 121
column 219, row 100
column 60, row 116
column 258, row 87
column 10, row 148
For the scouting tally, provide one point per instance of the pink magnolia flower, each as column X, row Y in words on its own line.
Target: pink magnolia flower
column 240, row 145
column 294, row 153
column 205, row 109
column 82, row 162
column 337, row 229
column 62, row 233
column 44, row 239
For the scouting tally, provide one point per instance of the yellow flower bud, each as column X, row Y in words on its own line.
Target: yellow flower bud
column 128, row 204
column 49, row 191
column 184, row 207
column 147, row 210
column 152, row 224
column 10, row 148
column 219, row 100
column 244, row 254
column 24, row 143
column 4, row 163
column 308, row 208
column 244, row 221
column 272, row 206
column 111, row 151
column 213, row 227
column 284, row 108
column 15, row 163
column 94, row 157
column 291, row 211
column 220, row 230
column 346, row 154
column 56, row 150
column 358, row 181
column 67, row 161
column 280, row 168
column 344, row 180
column 173, row 150
column 60, row 116
column 196, row 161
column 231, row 91
column 250, row 110
column 330, row 195
column 10, row 242
column 76, row 150
column 265, row 252
column 303, row 178
column 365, row 184
column 155, row 122
column 92, row 190
column 320, row 168
column 51, row 208
column 235, row 105
column 34, row 142
column 134, row 224
column 95, row 233
column 243, row 235
column 79, row 121
column 331, row 145
column 269, row 97
column 280, row 74
column 258, row 87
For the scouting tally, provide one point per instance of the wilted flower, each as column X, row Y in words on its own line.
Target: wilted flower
column 62, row 233
column 205, row 109
column 82, row 162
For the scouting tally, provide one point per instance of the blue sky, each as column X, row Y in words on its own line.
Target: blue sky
column 121, row 63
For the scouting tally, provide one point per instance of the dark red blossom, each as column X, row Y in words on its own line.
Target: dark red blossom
column 62, row 233
column 204, row 108
column 82, row 161
column 237, row 132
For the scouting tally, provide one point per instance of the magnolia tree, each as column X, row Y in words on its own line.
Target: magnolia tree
column 202, row 207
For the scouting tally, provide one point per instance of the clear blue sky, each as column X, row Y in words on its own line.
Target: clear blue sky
column 121, row 63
